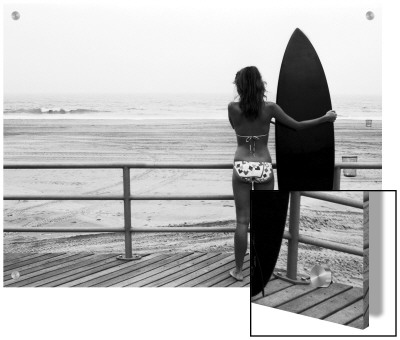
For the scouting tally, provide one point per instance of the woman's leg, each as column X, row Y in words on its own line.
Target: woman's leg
column 241, row 193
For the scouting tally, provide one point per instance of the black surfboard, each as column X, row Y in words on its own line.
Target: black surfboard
column 268, row 211
column 306, row 158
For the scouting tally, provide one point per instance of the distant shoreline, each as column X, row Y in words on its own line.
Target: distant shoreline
column 80, row 117
column 154, row 106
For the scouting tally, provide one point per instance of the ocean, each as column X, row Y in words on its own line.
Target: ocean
column 159, row 106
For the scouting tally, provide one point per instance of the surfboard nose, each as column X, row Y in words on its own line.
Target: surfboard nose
column 298, row 32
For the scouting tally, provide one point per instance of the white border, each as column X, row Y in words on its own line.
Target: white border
column 194, row 313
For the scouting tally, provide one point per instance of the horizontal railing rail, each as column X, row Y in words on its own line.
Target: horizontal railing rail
column 162, row 165
column 127, row 198
column 144, row 165
column 326, row 244
column 116, row 229
column 331, row 198
column 119, row 197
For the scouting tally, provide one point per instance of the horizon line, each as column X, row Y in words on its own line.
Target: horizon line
column 159, row 93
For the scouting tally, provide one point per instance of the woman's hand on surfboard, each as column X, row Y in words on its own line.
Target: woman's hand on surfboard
column 331, row 116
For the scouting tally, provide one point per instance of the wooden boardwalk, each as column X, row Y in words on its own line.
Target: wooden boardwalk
column 105, row 270
column 338, row 303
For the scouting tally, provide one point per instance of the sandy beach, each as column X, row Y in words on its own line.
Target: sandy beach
column 156, row 141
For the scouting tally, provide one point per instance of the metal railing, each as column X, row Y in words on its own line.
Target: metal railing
column 344, row 165
column 127, row 197
column 294, row 237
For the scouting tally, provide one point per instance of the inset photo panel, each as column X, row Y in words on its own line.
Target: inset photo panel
column 310, row 254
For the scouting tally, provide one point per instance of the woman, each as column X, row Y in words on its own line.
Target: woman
column 251, row 119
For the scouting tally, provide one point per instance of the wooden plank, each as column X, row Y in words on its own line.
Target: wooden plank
column 48, row 270
column 191, row 267
column 334, row 304
column 223, row 276
column 357, row 323
column 134, row 280
column 214, row 263
column 28, row 260
column 45, row 272
column 191, row 272
column 87, row 270
column 35, row 266
column 23, row 279
column 24, row 256
column 285, row 295
column 29, row 268
column 168, row 275
column 215, row 269
column 130, row 272
column 152, row 276
column 7, row 257
column 82, row 266
column 347, row 314
column 105, row 268
column 272, row 287
column 313, row 298
column 102, row 272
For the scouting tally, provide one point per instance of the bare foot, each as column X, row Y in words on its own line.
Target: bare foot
column 237, row 275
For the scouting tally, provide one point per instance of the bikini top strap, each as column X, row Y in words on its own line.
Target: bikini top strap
column 252, row 139
column 248, row 138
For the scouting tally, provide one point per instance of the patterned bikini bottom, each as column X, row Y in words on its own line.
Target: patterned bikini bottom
column 253, row 172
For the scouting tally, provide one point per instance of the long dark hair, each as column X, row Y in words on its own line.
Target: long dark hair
column 251, row 90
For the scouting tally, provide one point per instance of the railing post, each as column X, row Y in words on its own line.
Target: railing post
column 127, row 216
column 293, row 245
column 336, row 178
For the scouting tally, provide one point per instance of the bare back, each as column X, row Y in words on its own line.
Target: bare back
column 246, row 128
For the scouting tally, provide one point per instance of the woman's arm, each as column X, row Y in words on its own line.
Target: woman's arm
column 230, row 108
column 283, row 118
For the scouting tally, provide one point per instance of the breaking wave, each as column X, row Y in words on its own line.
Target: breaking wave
column 56, row 110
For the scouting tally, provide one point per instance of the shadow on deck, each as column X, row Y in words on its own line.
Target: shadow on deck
column 337, row 303
column 105, row 270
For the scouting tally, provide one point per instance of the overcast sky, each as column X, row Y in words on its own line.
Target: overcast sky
column 184, row 47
